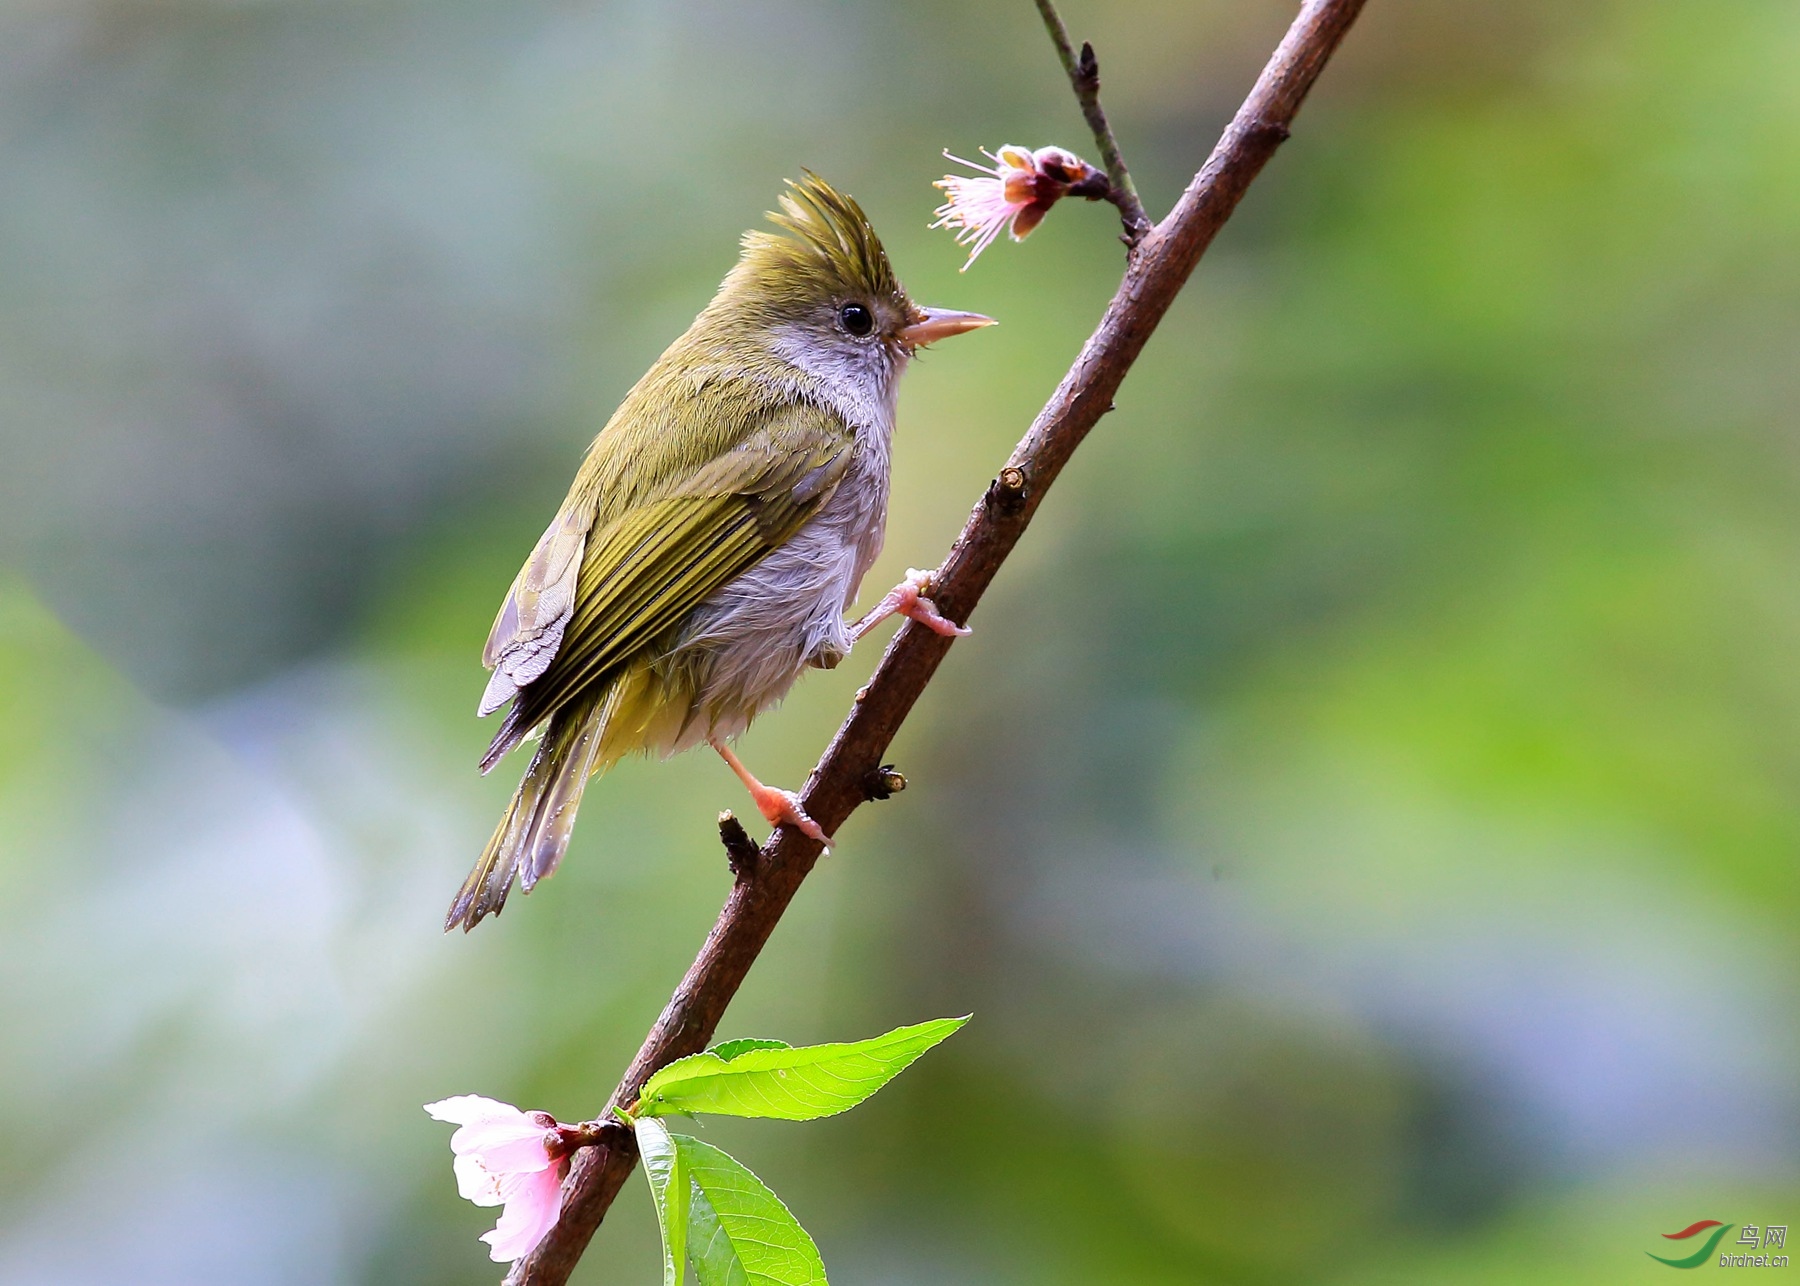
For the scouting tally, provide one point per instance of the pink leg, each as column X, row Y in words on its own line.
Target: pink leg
column 908, row 599
column 779, row 807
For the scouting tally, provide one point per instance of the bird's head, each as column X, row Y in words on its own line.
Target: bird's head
column 821, row 289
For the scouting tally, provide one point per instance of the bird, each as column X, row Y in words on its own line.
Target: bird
column 715, row 537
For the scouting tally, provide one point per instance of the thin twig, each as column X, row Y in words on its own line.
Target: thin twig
column 741, row 852
column 1084, row 77
column 1154, row 276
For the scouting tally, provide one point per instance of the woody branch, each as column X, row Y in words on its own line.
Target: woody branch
column 1160, row 265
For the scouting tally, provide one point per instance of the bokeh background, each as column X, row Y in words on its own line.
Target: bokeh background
column 1363, row 823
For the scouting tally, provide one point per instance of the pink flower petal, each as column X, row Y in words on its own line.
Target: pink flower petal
column 516, row 1154
column 495, row 1132
column 476, row 1183
column 1027, row 219
column 501, row 1159
column 465, row 1109
column 532, row 1204
column 498, row 1135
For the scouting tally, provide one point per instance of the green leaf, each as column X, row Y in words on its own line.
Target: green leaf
column 716, row 1262
column 671, row 1190
column 730, row 1049
column 786, row 1083
column 742, row 1234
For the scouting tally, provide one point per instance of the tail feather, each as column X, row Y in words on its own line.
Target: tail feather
column 638, row 709
column 534, row 832
column 544, row 842
column 511, row 732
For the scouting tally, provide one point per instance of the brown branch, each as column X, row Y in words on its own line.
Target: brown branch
column 1084, row 78
column 1157, row 271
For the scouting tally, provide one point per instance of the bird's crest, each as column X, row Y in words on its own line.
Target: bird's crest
column 827, row 235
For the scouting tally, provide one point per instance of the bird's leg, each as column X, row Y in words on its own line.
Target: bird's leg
column 908, row 599
column 778, row 806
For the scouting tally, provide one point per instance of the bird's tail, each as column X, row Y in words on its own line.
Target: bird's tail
column 534, row 833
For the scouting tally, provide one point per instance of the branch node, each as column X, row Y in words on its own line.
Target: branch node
column 1274, row 131
column 883, row 782
column 563, row 1140
column 1010, row 490
column 741, row 852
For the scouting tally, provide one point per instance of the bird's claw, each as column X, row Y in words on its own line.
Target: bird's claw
column 782, row 808
column 925, row 612
column 908, row 599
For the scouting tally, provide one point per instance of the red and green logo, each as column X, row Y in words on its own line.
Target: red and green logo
column 1701, row 1255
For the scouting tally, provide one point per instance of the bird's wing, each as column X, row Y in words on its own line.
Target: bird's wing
column 647, row 568
column 529, row 628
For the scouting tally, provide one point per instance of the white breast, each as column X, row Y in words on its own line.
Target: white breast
column 755, row 636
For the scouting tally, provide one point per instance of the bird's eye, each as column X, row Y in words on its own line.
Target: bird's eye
column 856, row 319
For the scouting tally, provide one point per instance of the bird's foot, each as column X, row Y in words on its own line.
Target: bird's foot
column 782, row 808
column 779, row 807
column 908, row 599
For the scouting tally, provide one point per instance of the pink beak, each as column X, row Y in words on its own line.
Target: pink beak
column 940, row 323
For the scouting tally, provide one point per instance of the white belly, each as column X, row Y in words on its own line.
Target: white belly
column 747, row 644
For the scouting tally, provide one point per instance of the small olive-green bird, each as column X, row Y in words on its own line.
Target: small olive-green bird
column 715, row 536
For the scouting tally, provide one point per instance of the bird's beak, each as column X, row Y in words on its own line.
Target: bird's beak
column 940, row 323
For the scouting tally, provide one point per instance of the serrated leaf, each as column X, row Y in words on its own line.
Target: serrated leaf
column 730, row 1049
column 671, row 1190
column 786, row 1083
column 741, row 1234
column 715, row 1261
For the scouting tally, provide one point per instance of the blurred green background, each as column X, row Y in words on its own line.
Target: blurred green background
column 1363, row 823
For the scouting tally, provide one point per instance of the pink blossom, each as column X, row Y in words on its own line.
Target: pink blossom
column 1014, row 193
column 506, row 1157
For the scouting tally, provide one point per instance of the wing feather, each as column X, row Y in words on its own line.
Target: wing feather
column 645, row 570
column 529, row 628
